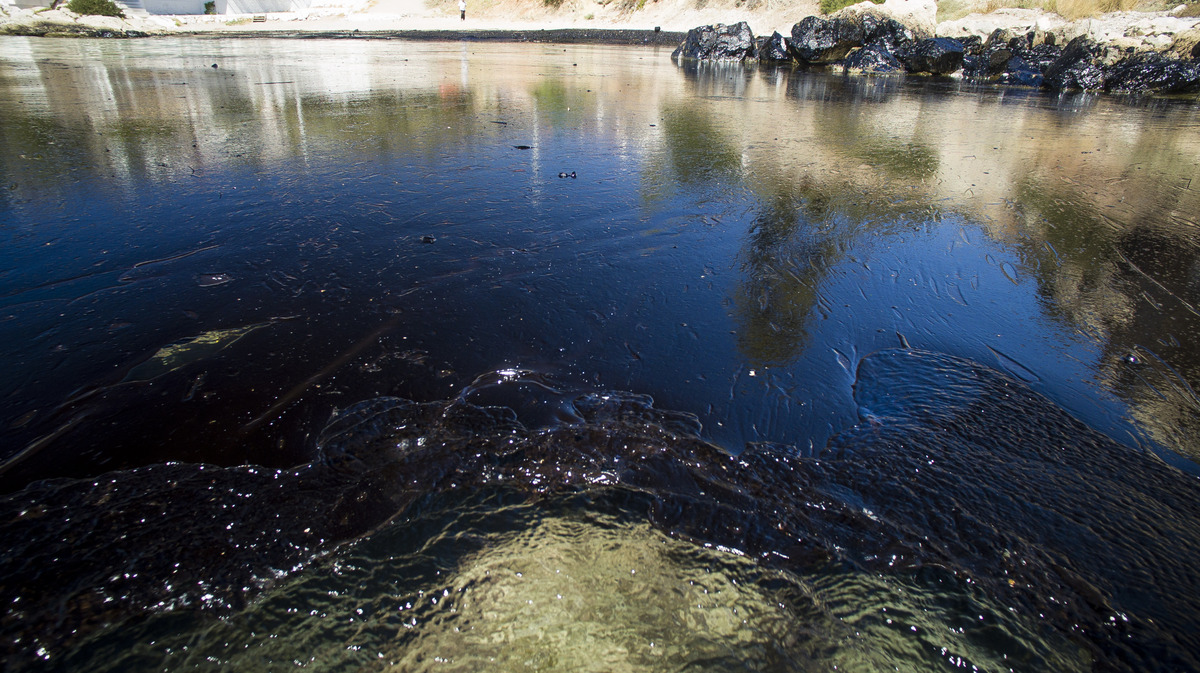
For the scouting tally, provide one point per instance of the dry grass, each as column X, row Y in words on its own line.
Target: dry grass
column 949, row 10
column 1082, row 9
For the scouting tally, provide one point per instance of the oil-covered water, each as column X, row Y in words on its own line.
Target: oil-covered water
column 317, row 348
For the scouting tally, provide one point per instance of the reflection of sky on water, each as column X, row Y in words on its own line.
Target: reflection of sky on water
column 736, row 239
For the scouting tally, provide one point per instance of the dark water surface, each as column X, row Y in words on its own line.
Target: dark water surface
column 310, row 361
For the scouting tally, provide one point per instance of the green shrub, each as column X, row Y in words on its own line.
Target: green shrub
column 210, row 7
column 831, row 6
column 98, row 7
column 553, row 3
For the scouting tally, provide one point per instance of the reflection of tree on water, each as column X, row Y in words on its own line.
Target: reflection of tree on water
column 699, row 150
column 1071, row 256
column 856, row 138
column 555, row 99
column 778, row 289
column 1098, row 219
column 29, row 162
column 1134, row 290
column 802, row 227
column 381, row 123
column 1150, row 357
column 800, row 233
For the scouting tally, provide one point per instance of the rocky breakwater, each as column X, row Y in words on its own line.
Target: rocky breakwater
column 1069, row 57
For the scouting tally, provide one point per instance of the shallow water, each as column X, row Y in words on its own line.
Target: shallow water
column 202, row 265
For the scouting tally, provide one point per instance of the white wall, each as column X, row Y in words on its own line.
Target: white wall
column 173, row 6
column 260, row 6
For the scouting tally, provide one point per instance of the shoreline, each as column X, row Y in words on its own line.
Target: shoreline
column 661, row 23
column 433, row 19
column 611, row 36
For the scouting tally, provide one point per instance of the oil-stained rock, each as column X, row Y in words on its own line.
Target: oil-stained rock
column 718, row 42
column 936, row 56
column 818, row 41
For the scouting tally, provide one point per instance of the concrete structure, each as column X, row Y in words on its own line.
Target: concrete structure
column 261, row 6
column 169, row 6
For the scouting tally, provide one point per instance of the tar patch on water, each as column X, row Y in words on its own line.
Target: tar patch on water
column 428, row 530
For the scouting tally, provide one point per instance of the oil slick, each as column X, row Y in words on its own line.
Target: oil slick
column 152, row 267
column 437, row 523
column 88, row 401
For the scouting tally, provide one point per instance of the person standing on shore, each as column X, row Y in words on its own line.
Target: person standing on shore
column 462, row 10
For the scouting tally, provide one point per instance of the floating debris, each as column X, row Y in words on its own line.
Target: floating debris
column 181, row 353
column 213, row 279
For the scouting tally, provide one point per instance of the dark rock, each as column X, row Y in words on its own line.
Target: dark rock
column 1079, row 67
column 717, row 42
column 873, row 58
column 973, row 69
column 972, row 44
column 1018, row 72
column 999, row 38
column 870, row 43
column 1035, row 50
column 816, row 40
column 1042, row 56
column 937, row 56
column 1032, row 46
column 1003, row 65
column 774, row 48
column 1151, row 71
column 894, row 35
column 986, row 65
column 996, row 60
column 1018, row 41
